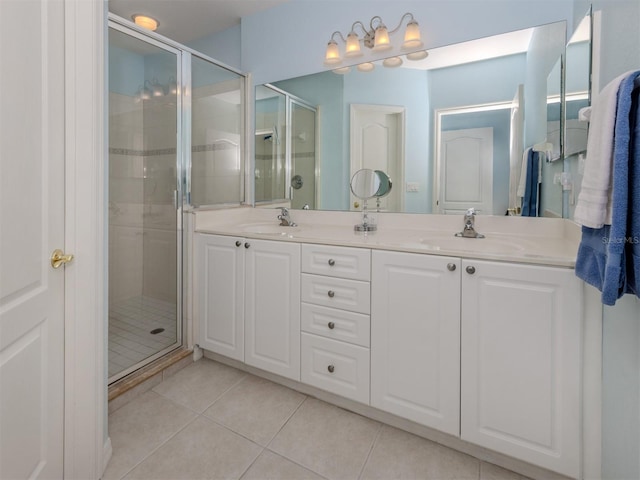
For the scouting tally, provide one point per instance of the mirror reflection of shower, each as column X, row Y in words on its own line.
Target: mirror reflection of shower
column 286, row 160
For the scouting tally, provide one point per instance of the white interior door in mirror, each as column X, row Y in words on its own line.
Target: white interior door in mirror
column 466, row 171
column 377, row 143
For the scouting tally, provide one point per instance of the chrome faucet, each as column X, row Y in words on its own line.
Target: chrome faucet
column 285, row 219
column 469, row 230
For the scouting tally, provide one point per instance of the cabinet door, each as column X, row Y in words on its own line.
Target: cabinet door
column 220, row 294
column 272, row 307
column 415, row 338
column 521, row 362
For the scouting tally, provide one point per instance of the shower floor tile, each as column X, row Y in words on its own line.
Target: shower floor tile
column 130, row 324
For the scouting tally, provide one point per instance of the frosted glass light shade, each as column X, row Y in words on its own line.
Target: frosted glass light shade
column 392, row 62
column 412, row 36
column 146, row 22
column 382, row 40
column 342, row 70
column 420, row 55
column 353, row 46
column 366, row 67
column 332, row 55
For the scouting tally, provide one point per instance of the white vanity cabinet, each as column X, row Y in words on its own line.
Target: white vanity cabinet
column 415, row 338
column 248, row 297
column 219, row 294
column 272, row 307
column 521, row 362
column 335, row 292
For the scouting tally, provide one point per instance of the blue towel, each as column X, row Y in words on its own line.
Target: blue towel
column 530, row 199
column 633, row 240
column 602, row 255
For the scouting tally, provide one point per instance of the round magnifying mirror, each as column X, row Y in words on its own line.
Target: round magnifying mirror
column 385, row 184
column 365, row 183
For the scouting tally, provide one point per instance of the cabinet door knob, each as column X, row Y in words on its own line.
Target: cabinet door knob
column 238, row 243
column 471, row 270
column 451, row 267
column 331, row 325
column 331, row 293
column 332, row 262
column 247, row 245
column 331, row 368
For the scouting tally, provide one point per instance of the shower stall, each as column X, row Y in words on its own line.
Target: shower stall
column 176, row 120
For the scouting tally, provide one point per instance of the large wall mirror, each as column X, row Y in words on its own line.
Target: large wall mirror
column 450, row 130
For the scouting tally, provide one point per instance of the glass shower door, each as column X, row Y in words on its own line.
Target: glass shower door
column 144, row 225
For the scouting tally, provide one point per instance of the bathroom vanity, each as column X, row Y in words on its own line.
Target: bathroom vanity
column 478, row 338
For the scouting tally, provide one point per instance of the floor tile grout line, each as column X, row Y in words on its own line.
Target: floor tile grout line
column 373, row 445
column 306, row 397
column 251, row 465
column 159, row 446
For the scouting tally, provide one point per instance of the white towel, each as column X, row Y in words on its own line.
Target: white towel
column 523, row 176
column 594, row 202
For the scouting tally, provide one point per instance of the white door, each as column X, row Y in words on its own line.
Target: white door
column 415, row 338
column 32, row 226
column 272, row 307
column 521, row 362
column 377, row 143
column 466, row 170
column 219, row 292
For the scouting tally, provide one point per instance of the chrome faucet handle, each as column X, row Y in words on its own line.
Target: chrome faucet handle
column 470, row 212
column 284, row 211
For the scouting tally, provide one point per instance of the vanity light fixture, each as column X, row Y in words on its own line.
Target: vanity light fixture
column 145, row 21
column 378, row 38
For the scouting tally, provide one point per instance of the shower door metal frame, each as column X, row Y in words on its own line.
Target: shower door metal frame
column 125, row 27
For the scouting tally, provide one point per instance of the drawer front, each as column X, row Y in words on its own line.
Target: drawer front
column 343, row 262
column 333, row 292
column 337, row 324
column 334, row 366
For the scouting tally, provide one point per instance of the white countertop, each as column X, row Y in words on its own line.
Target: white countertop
column 542, row 241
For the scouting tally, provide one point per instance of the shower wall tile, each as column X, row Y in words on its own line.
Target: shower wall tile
column 160, row 264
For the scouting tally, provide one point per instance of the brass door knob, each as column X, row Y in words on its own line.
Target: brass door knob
column 58, row 258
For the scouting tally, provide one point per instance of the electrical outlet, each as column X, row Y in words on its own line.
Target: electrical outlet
column 413, row 187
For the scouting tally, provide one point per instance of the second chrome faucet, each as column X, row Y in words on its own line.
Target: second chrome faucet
column 469, row 230
column 285, row 219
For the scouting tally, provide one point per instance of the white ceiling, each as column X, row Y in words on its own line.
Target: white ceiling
column 187, row 20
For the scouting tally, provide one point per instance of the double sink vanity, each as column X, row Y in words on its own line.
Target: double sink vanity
column 477, row 338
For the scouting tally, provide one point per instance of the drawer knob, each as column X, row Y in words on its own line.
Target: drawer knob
column 331, row 293
column 332, row 262
column 238, row 243
column 331, row 368
column 471, row 270
column 331, row 325
column 247, row 245
column 451, row 267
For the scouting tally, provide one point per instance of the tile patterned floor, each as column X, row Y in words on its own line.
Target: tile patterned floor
column 130, row 324
column 210, row 421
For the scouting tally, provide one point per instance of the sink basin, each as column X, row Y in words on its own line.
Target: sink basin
column 270, row 229
column 491, row 245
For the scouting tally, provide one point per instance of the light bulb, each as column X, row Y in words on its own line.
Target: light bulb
column 342, row 70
